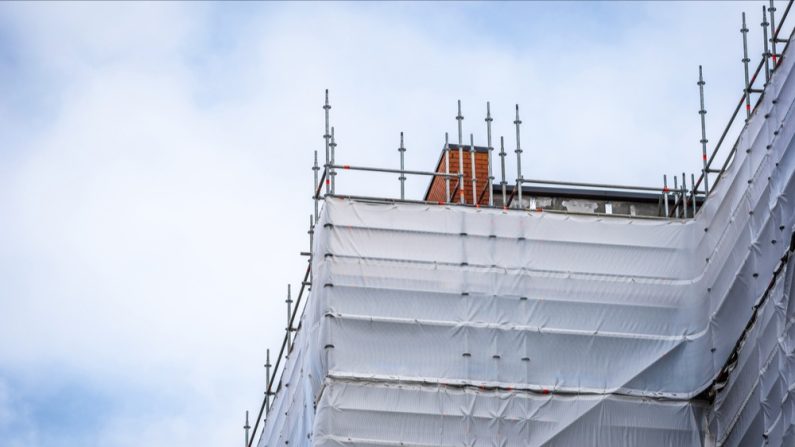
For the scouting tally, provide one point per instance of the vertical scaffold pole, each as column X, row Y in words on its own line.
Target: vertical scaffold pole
column 311, row 244
column 772, row 11
column 684, row 195
column 402, row 177
column 288, row 329
column 503, row 183
column 744, row 31
column 519, row 178
column 665, row 194
column 460, row 118
column 267, row 381
column 766, row 53
column 490, row 149
column 315, row 168
column 327, row 137
column 447, row 167
column 693, row 192
column 332, row 173
column 703, row 113
column 460, row 176
column 475, row 200
column 246, row 428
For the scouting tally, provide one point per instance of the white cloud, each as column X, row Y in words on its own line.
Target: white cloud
column 16, row 428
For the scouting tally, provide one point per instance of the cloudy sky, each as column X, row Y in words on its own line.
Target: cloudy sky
column 155, row 170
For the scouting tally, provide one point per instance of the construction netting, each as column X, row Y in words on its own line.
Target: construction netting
column 432, row 325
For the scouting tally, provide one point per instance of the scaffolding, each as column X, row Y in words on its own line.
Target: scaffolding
column 679, row 201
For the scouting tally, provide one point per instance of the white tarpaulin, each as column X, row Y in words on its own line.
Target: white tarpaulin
column 434, row 325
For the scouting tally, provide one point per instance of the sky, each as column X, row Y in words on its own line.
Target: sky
column 155, row 170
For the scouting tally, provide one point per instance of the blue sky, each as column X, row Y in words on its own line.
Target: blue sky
column 155, row 181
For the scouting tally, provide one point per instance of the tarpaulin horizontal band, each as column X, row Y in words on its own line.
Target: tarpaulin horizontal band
column 433, row 325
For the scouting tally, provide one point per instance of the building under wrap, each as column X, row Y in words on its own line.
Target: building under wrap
column 446, row 325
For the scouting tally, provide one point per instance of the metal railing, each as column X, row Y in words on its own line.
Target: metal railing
column 684, row 198
column 747, row 92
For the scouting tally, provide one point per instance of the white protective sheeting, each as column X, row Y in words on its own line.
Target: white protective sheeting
column 756, row 406
column 449, row 325
column 362, row 414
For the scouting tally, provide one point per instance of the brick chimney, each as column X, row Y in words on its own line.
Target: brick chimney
column 436, row 190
